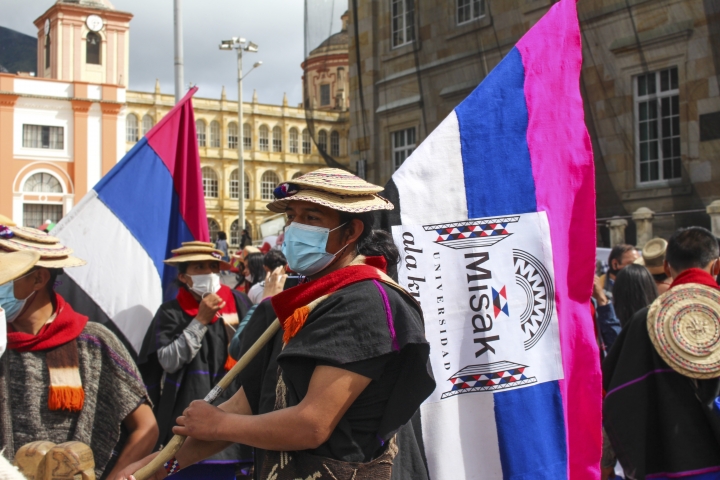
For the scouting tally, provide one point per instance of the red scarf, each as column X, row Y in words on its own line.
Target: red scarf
column 286, row 303
column 191, row 306
column 695, row 275
column 67, row 326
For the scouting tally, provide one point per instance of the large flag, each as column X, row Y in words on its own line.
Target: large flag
column 149, row 203
column 495, row 222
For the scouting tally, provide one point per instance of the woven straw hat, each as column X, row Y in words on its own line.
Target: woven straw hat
column 52, row 253
column 6, row 221
column 197, row 252
column 684, row 327
column 333, row 188
column 653, row 255
column 16, row 264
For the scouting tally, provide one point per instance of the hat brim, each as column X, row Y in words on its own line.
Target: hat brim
column 655, row 270
column 343, row 203
column 197, row 257
column 15, row 264
column 64, row 262
column 684, row 327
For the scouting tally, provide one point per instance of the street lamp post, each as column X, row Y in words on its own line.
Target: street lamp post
column 240, row 45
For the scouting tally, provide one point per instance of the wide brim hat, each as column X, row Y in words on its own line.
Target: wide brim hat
column 16, row 264
column 684, row 327
column 6, row 221
column 332, row 188
column 197, row 252
column 52, row 253
column 653, row 255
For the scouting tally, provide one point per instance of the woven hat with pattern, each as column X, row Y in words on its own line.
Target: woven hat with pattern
column 16, row 264
column 52, row 253
column 653, row 255
column 197, row 252
column 684, row 327
column 333, row 188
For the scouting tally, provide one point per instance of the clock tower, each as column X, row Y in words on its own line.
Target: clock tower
column 84, row 41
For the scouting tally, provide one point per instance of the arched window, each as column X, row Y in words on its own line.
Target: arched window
column 263, row 138
column 147, row 124
column 297, row 174
column 234, row 237
column 247, row 137
column 47, row 49
column 214, row 134
column 35, row 214
column 322, row 140
column 306, row 145
column 335, row 144
column 210, row 182
column 293, row 140
column 268, row 182
column 92, row 48
column 214, row 228
column 235, row 185
column 200, row 131
column 131, row 128
column 232, row 135
column 277, row 139
column 246, row 186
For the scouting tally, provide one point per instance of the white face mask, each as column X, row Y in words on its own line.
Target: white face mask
column 205, row 284
column 3, row 332
column 249, row 278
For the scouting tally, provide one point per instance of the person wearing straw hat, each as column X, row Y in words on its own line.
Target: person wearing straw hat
column 653, row 258
column 185, row 351
column 12, row 266
column 64, row 378
column 352, row 358
column 662, row 376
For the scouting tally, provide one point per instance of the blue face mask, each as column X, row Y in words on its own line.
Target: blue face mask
column 9, row 303
column 304, row 248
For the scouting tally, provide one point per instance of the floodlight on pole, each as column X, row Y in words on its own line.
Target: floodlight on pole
column 240, row 44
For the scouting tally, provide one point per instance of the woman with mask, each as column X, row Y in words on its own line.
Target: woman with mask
column 186, row 347
column 352, row 356
column 253, row 273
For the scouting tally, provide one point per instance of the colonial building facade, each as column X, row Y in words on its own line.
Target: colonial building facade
column 650, row 84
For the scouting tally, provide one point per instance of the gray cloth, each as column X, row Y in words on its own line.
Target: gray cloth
column 113, row 389
column 182, row 350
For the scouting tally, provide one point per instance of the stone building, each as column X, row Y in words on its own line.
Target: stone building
column 650, row 84
column 277, row 147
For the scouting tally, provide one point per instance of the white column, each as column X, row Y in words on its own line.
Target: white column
column 714, row 211
column 617, row 230
column 643, row 218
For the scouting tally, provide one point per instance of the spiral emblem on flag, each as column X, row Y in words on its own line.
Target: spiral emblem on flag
column 534, row 279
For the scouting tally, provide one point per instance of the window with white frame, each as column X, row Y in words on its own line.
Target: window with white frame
column 234, row 186
column 34, row 213
column 131, row 128
column 293, row 140
column 92, row 48
column 200, row 132
column 268, row 183
column 147, row 124
column 214, row 134
column 277, row 139
column 42, row 136
column 264, row 138
column 322, row 141
column 335, row 144
column 234, row 237
column 232, row 135
column 403, row 22
column 469, row 10
column 403, row 144
column 306, row 143
column 214, row 228
column 657, row 104
column 324, row 95
column 210, row 182
column 247, row 137
column 42, row 182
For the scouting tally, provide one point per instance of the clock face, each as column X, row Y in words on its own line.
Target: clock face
column 47, row 25
column 94, row 23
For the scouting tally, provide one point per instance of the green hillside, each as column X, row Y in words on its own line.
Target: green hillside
column 18, row 52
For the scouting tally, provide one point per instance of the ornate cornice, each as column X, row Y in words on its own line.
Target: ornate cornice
column 81, row 106
column 8, row 99
column 110, row 108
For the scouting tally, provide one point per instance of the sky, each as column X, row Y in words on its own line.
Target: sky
column 277, row 26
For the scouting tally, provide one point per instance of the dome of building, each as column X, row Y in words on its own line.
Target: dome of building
column 100, row 4
column 337, row 42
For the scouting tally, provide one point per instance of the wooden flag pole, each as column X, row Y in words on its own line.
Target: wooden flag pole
column 177, row 441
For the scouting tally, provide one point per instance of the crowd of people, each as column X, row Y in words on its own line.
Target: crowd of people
column 335, row 390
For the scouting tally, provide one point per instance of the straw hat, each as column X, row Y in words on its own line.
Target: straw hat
column 653, row 255
column 333, row 188
column 6, row 221
column 197, row 252
column 52, row 253
column 16, row 264
column 684, row 327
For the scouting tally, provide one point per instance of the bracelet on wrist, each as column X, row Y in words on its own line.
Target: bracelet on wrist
column 172, row 466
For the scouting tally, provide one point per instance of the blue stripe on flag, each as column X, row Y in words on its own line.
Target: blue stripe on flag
column 531, row 432
column 140, row 192
column 493, row 136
